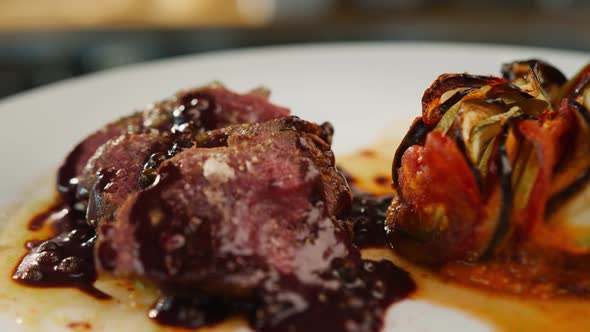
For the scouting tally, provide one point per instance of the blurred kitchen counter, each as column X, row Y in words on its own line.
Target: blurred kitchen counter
column 42, row 41
column 502, row 15
column 63, row 14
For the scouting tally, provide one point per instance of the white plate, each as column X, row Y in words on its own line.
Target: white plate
column 360, row 88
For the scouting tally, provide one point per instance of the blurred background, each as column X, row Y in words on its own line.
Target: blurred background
column 42, row 41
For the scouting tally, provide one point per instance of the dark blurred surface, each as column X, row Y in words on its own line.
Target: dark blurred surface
column 34, row 55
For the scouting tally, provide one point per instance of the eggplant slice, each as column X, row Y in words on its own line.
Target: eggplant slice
column 550, row 78
column 415, row 136
column 431, row 113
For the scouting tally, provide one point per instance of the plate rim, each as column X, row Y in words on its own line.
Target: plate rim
column 284, row 48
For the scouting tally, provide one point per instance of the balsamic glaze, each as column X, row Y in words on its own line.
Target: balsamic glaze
column 95, row 201
column 66, row 174
column 358, row 303
column 367, row 214
column 195, row 113
column 195, row 309
column 64, row 260
column 351, row 299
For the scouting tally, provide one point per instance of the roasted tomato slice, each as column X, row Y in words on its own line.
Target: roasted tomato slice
column 534, row 168
column 567, row 224
column 440, row 214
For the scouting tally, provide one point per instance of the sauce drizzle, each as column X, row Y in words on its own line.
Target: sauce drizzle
column 64, row 259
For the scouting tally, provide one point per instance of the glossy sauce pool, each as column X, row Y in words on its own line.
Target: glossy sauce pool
column 71, row 309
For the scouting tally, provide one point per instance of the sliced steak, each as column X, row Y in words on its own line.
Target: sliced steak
column 111, row 163
column 258, row 208
column 76, row 160
column 316, row 141
column 196, row 110
column 216, row 107
column 115, row 171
